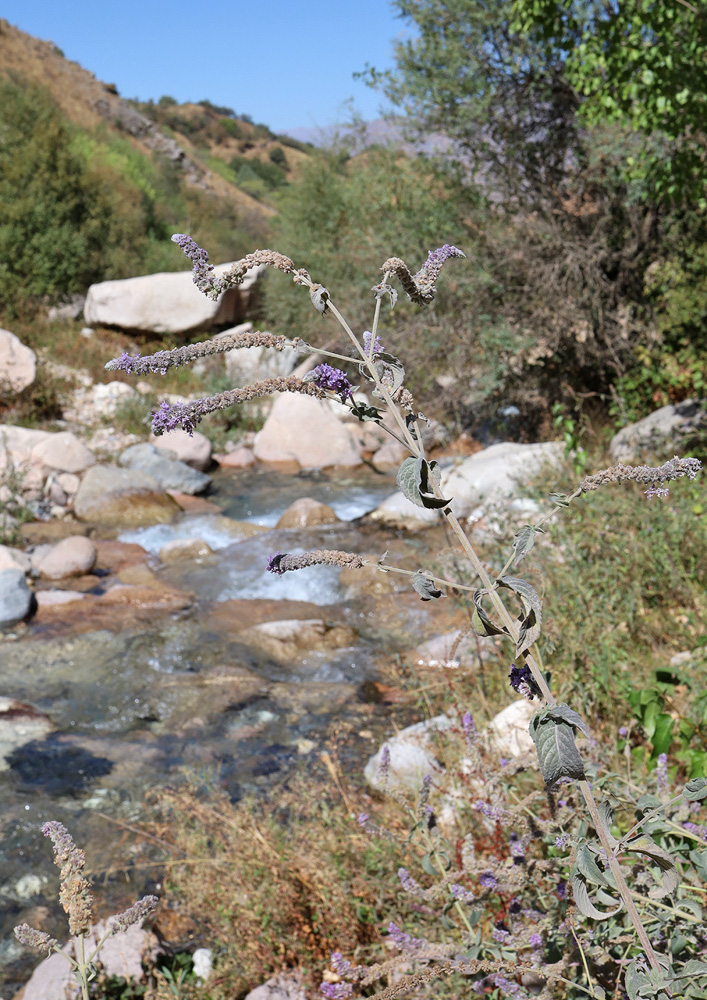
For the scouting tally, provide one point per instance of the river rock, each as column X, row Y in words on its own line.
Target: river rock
column 304, row 430
column 185, row 548
column 281, row 987
column 390, row 455
column 476, row 483
column 63, row 452
column 239, row 458
column 411, row 756
column 121, row 956
column 659, row 430
column 16, row 598
column 193, row 449
column 170, row 473
column 18, row 363
column 166, row 303
column 16, row 443
column 14, row 559
column 453, row 649
column 68, row 482
column 20, row 724
column 73, row 556
column 122, row 496
column 255, row 364
column 287, row 640
column 104, row 398
column 509, row 729
column 306, row 513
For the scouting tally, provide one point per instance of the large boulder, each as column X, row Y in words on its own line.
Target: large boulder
column 170, row 473
column 193, row 449
column 63, row 452
column 18, row 363
column 73, row 556
column 122, row 496
column 304, row 430
column 14, row 559
column 255, row 364
column 122, row 956
column 661, row 429
column 494, row 474
column 15, row 597
column 166, row 303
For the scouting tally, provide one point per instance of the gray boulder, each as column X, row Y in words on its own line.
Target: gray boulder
column 411, row 756
column 170, row 473
column 108, row 495
column 663, row 428
column 476, row 484
column 15, row 597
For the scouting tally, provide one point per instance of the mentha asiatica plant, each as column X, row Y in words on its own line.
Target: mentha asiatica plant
column 600, row 868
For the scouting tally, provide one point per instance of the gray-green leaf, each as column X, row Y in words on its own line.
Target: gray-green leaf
column 425, row 587
column 557, row 753
column 567, row 714
column 380, row 290
column 523, row 541
column 584, row 903
column 531, row 619
column 669, row 881
column 480, row 621
column 414, row 482
column 695, row 790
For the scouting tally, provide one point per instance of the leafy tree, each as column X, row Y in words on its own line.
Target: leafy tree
column 640, row 63
column 500, row 95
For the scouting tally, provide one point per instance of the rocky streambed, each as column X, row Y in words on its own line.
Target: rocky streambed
column 175, row 649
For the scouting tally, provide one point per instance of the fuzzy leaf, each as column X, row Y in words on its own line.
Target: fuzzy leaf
column 588, row 867
column 557, row 753
column 408, row 479
column 425, row 587
column 380, row 290
column 414, row 482
column 669, row 881
column 693, row 967
column 568, row 714
column 480, row 621
column 389, row 370
column 531, row 619
column 695, row 790
column 523, row 541
column 584, row 903
column 431, row 470
column 319, row 296
column 365, row 412
column 560, row 499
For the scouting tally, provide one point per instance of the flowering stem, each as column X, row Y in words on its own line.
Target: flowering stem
column 82, row 968
column 512, row 629
column 386, row 568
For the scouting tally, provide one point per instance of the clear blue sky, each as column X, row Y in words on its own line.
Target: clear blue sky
column 288, row 64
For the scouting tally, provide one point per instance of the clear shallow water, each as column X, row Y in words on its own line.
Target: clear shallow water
column 262, row 495
column 131, row 708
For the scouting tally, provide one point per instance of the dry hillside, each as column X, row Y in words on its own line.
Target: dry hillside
column 200, row 139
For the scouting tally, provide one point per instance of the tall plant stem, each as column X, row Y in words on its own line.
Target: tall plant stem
column 512, row 629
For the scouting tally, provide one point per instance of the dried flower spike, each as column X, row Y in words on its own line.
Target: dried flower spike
column 133, row 915
column 420, row 287
column 161, row 361
column 75, row 894
column 282, row 563
column 35, row 939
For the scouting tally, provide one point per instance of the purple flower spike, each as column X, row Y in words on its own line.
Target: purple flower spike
column 203, row 272
column 333, row 379
column 336, row 991
column 169, row 417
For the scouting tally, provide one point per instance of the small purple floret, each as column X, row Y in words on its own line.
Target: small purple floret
column 274, row 563
column 523, row 682
column 377, row 346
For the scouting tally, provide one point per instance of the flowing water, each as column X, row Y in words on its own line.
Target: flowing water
column 132, row 707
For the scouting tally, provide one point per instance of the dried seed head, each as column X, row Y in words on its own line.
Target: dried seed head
column 75, row 892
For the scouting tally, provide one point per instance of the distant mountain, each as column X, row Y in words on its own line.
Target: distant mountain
column 380, row 131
